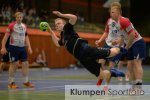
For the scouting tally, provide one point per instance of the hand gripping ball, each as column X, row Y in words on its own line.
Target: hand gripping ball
column 43, row 26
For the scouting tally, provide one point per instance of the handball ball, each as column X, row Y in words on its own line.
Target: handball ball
column 43, row 26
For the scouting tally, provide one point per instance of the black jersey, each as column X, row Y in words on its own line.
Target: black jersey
column 81, row 50
column 71, row 40
column 67, row 34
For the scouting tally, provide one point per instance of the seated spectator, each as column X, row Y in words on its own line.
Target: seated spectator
column 39, row 60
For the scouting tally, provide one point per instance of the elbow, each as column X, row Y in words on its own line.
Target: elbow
column 75, row 17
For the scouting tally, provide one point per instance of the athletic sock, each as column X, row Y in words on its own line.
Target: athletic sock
column 10, row 80
column 26, row 79
column 138, row 82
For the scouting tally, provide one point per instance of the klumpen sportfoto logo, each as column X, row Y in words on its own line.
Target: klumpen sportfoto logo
column 112, row 90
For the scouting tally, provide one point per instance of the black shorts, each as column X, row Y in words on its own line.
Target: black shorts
column 87, row 55
column 124, row 57
column 90, row 57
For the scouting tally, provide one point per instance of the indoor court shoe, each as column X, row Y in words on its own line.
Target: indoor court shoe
column 13, row 86
column 99, row 82
column 28, row 84
column 116, row 73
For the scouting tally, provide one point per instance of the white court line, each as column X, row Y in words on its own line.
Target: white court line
column 61, row 86
column 56, row 82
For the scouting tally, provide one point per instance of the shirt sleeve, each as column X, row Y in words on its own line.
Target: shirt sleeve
column 126, row 25
column 9, row 29
column 107, row 27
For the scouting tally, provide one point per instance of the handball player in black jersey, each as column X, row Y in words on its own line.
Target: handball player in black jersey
column 81, row 50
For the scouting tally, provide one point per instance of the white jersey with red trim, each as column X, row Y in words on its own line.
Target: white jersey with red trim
column 17, row 34
column 122, row 28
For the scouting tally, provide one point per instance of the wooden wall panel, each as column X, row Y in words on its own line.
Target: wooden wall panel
column 56, row 57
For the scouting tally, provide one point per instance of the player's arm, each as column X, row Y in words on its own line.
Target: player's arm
column 27, row 41
column 4, row 40
column 72, row 18
column 128, row 27
column 103, row 37
column 130, row 39
column 55, row 39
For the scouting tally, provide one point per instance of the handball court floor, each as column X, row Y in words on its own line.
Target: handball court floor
column 50, row 84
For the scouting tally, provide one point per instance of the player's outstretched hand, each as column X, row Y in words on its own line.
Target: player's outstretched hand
column 57, row 13
column 97, row 42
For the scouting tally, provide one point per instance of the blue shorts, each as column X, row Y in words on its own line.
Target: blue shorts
column 116, row 58
column 17, row 53
column 137, row 50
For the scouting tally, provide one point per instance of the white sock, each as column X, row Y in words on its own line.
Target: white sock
column 10, row 80
column 133, row 82
column 26, row 79
column 138, row 80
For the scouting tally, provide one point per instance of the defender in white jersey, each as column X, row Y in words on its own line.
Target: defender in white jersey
column 17, row 48
column 134, row 43
column 112, row 38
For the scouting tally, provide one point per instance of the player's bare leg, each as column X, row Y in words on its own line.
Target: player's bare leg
column 2, row 65
column 104, row 75
column 131, row 71
column 102, row 62
column 107, row 76
column 25, row 72
column 12, row 70
column 114, row 51
column 138, row 71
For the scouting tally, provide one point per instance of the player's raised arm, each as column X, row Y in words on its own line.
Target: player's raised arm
column 72, row 18
column 55, row 39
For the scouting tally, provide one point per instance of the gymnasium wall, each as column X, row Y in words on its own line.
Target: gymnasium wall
column 58, row 57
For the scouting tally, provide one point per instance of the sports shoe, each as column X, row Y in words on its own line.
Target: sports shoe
column 116, row 73
column 12, row 86
column 99, row 82
column 28, row 84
